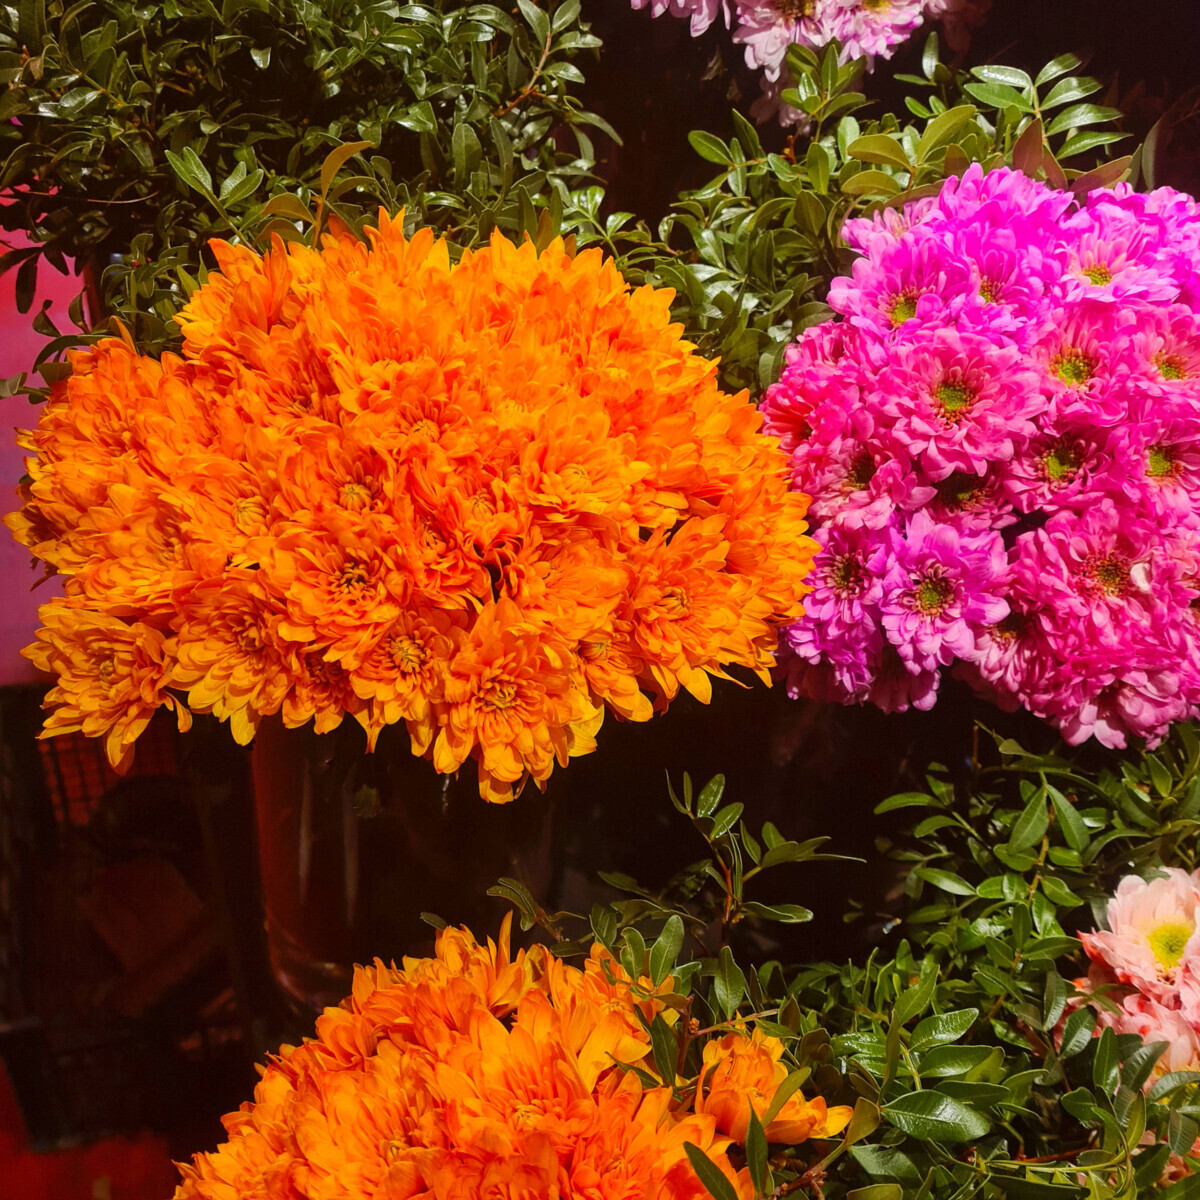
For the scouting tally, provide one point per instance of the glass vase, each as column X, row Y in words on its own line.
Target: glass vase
column 354, row 848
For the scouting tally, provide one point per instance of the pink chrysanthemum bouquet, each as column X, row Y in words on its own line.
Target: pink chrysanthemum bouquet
column 1001, row 437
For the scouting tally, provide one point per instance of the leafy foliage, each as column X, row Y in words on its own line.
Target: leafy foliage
column 971, row 1070
column 146, row 129
column 752, row 252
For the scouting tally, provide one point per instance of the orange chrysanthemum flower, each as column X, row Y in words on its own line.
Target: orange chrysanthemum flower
column 743, row 1070
column 492, row 500
column 482, row 1073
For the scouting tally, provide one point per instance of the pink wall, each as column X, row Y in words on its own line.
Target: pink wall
column 18, row 348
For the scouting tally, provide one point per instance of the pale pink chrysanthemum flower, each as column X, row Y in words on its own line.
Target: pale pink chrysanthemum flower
column 701, row 13
column 1153, row 926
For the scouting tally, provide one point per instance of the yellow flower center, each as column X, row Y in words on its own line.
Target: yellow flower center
column 426, row 428
column 960, row 491
column 989, row 291
column 933, row 594
column 1110, row 574
column 408, row 654
column 953, row 399
column 860, row 474
column 1167, row 943
column 846, row 574
column 1074, row 367
column 249, row 513
column 354, row 577
column 1161, row 463
column 1060, row 463
column 1100, row 275
column 501, row 695
column 794, row 10
column 1170, row 367
column 902, row 308
column 355, row 495
column 675, row 600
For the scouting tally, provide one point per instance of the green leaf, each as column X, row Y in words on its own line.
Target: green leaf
column 1056, row 67
column 880, row 148
column 729, row 983
column 710, row 147
column 710, row 796
column 756, row 1154
column 932, row 1116
column 633, row 953
column 725, row 820
column 913, row 1001
column 1081, row 114
column 1172, row 1081
column 191, row 170
column 666, row 949
column 877, row 1191
column 538, row 21
column 948, row 1061
column 1008, row 76
column 1067, row 91
column 788, row 914
column 666, row 1049
column 287, row 206
column 947, row 881
column 1069, row 821
column 604, row 925
column 1059, row 893
column 871, row 183
column 997, row 95
column 816, row 162
column 1105, row 1074
column 336, row 159
column 1077, row 1032
column 943, row 129
column 1034, row 1189
column 906, row 800
column 943, row 1028
column 1182, row 1131
column 783, row 1093
column 707, row 1171
column 1030, row 826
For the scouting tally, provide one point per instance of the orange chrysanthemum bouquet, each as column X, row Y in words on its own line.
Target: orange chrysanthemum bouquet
column 475, row 1074
column 489, row 500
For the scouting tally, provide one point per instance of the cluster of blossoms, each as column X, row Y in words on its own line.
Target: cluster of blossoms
column 1148, row 963
column 864, row 28
column 489, row 500
column 1001, row 438
column 475, row 1074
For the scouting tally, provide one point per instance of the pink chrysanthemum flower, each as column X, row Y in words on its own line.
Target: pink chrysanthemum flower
column 1165, row 344
column 1156, row 463
column 1114, row 257
column 943, row 589
column 1153, row 925
column 973, row 503
column 766, row 28
column 845, row 628
column 898, row 686
column 1154, row 1022
column 701, row 13
column 870, row 28
column 914, row 279
column 1084, row 352
column 1057, row 468
column 956, row 401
